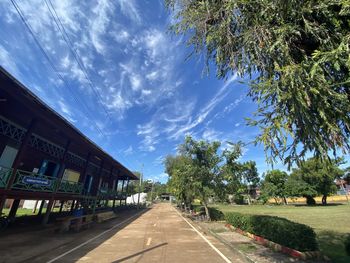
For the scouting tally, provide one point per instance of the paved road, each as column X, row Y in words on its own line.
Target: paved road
column 159, row 235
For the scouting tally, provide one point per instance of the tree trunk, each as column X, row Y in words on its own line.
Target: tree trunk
column 310, row 200
column 285, row 200
column 324, row 200
column 207, row 211
column 248, row 199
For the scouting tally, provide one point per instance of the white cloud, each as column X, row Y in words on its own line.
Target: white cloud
column 129, row 9
column 203, row 114
column 211, row 135
column 99, row 24
column 129, row 151
column 7, row 62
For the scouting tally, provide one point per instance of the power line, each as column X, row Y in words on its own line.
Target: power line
column 28, row 27
column 70, row 45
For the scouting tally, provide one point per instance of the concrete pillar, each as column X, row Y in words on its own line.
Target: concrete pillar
column 72, row 206
column 14, row 208
column 41, row 207
column 2, row 203
column 35, row 206
column 48, row 211
column 61, row 206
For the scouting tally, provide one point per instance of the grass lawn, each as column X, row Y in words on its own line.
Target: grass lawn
column 331, row 223
column 27, row 212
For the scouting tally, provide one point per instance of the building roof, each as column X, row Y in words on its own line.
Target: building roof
column 22, row 94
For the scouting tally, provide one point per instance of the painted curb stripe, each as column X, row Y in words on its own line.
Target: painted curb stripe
column 205, row 239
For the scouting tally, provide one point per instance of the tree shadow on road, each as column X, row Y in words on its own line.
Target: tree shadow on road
column 139, row 253
column 46, row 246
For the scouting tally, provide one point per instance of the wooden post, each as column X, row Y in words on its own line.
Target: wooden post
column 61, row 169
column 35, row 206
column 72, row 206
column 84, row 173
column 48, row 211
column 14, row 208
column 41, row 206
column 61, row 206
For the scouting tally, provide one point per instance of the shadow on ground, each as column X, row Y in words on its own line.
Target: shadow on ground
column 332, row 245
column 44, row 245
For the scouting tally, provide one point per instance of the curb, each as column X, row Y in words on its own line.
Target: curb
column 277, row 247
column 231, row 247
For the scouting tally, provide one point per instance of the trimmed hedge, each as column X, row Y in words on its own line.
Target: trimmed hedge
column 215, row 214
column 279, row 230
column 347, row 244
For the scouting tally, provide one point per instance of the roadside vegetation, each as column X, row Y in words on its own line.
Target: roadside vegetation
column 201, row 175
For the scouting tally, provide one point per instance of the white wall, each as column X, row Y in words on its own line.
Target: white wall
column 133, row 199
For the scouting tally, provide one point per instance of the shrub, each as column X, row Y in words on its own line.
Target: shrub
column 216, row 214
column 276, row 229
column 347, row 244
column 238, row 199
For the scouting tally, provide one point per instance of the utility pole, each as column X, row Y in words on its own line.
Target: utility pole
column 140, row 184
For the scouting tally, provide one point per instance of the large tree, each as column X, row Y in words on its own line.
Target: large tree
column 297, row 54
column 319, row 175
column 274, row 185
column 206, row 160
column 181, row 174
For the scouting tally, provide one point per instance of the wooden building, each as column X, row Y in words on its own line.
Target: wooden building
column 44, row 157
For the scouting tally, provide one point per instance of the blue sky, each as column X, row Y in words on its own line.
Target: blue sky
column 127, row 84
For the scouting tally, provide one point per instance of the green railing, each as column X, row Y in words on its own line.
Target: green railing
column 30, row 181
column 109, row 193
column 70, row 187
column 5, row 174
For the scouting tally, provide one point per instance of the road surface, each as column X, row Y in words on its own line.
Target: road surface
column 159, row 235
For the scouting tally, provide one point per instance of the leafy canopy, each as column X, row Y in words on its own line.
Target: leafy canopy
column 298, row 55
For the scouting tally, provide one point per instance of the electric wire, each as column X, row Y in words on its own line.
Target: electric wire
column 70, row 45
column 28, row 27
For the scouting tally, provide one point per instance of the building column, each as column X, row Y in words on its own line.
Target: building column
column 41, row 206
column 2, row 203
column 126, row 190
column 14, row 207
column 61, row 169
column 72, row 206
column 48, row 211
column 61, row 206
column 85, row 170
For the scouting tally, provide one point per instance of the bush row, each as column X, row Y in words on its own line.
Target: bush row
column 279, row 230
column 215, row 214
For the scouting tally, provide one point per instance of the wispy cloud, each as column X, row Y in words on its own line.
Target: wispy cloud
column 203, row 114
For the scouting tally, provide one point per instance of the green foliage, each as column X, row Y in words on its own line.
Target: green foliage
column 215, row 214
column 276, row 229
column 205, row 168
column 347, row 244
column 298, row 53
column 181, row 174
column 315, row 177
column 274, row 185
column 238, row 199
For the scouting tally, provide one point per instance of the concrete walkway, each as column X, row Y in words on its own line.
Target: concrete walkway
column 159, row 234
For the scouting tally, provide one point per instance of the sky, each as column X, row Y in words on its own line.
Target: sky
column 113, row 70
